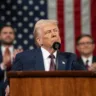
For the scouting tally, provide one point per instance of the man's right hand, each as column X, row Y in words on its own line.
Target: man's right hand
column 16, row 51
column 6, row 60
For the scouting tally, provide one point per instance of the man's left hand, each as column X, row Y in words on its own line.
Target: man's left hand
column 92, row 67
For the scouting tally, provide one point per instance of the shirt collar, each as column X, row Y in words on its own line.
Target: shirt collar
column 46, row 53
column 11, row 48
column 85, row 59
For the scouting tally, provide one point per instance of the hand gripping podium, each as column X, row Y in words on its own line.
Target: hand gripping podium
column 57, row 83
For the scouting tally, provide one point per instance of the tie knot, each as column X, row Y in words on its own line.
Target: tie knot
column 51, row 56
column 7, row 50
column 87, row 61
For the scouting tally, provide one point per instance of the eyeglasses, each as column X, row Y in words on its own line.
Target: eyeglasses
column 85, row 43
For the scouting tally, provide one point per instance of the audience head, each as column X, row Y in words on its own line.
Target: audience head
column 85, row 44
column 7, row 35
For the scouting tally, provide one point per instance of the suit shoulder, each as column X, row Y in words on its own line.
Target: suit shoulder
column 79, row 59
column 26, row 53
column 94, row 57
column 68, row 54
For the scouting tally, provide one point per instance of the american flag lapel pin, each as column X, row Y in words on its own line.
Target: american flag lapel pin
column 63, row 62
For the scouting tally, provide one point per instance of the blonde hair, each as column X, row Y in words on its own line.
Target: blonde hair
column 39, row 24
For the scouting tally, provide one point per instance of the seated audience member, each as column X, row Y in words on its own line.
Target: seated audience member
column 85, row 46
column 7, row 54
column 45, row 58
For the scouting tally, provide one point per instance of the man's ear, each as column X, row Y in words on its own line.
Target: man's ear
column 94, row 46
column 39, row 41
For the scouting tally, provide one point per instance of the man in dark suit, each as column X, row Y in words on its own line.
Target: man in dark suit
column 1, row 72
column 7, row 54
column 1, row 84
column 85, row 46
column 43, row 58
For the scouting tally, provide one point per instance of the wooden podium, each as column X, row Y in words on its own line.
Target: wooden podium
column 58, row 83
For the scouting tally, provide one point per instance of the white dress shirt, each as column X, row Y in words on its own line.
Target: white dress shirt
column 89, row 60
column 46, row 58
column 3, row 48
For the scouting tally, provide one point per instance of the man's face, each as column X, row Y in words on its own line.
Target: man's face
column 50, row 35
column 85, row 46
column 7, row 36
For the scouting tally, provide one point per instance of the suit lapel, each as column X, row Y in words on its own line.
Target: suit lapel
column 81, row 61
column 94, row 59
column 61, row 61
column 39, row 60
column 1, row 57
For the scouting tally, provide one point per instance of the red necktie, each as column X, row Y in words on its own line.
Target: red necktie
column 52, row 64
column 86, row 65
column 8, row 55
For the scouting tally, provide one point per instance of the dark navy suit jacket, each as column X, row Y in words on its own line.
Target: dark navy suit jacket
column 80, row 61
column 2, row 84
column 33, row 60
column 1, row 71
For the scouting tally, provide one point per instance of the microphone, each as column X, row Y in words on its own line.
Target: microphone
column 56, row 46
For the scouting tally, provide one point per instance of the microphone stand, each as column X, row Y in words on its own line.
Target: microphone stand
column 57, row 60
column 56, row 46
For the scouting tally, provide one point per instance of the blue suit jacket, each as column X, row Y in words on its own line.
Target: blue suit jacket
column 33, row 60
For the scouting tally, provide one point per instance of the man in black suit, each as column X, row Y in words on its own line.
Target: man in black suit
column 45, row 58
column 7, row 54
column 85, row 46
